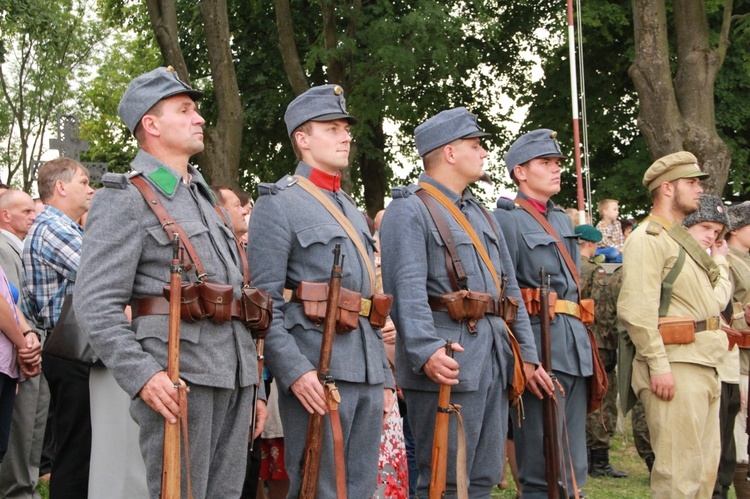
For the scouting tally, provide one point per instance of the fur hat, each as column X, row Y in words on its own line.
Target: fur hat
column 739, row 215
column 710, row 209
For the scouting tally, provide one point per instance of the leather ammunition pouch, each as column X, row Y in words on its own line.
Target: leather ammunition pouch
column 217, row 301
column 587, row 311
column 509, row 309
column 191, row 304
column 314, row 297
column 381, row 308
column 530, row 298
column 257, row 311
column 743, row 341
column 681, row 330
column 465, row 305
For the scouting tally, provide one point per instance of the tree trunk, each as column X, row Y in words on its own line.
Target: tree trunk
column 288, row 48
column 220, row 160
column 676, row 115
column 373, row 171
column 163, row 17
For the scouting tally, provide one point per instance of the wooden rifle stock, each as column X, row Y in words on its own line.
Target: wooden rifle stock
column 170, row 476
column 549, row 410
column 314, row 441
column 439, row 464
column 259, row 346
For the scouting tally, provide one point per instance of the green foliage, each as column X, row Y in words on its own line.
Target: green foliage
column 618, row 154
column 44, row 47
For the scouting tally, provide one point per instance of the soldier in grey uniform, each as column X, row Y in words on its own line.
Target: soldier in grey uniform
column 534, row 165
column 291, row 238
column 126, row 261
column 414, row 270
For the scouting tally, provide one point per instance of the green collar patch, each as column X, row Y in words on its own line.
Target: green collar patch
column 165, row 180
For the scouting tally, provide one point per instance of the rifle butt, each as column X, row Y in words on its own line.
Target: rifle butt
column 439, row 465
column 311, row 458
column 170, row 475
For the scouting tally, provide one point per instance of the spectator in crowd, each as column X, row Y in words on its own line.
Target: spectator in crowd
column 612, row 238
column 19, row 473
column 228, row 200
column 51, row 256
column 217, row 355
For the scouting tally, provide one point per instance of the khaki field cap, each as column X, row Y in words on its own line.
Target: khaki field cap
column 672, row 167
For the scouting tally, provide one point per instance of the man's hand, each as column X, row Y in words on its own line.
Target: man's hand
column 663, row 386
column 161, row 395
column 310, row 393
column 720, row 247
column 387, row 403
column 441, row 368
column 261, row 416
column 539, row 381
column 389, row 333
column 30, row 358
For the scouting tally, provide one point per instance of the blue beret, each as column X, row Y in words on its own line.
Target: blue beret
column 588, row 232
column 323, row 103
column 445, row 127
column 148, row 89
column 537, row 144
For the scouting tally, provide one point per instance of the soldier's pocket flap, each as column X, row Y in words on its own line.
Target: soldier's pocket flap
column 321, row 234
column 534, row 239
column 191, row 228
column 459, row 237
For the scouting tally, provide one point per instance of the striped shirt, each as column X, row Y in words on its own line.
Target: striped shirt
column 51, row 253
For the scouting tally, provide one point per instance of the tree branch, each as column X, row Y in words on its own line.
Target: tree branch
column 288, row 48
column 163, row 16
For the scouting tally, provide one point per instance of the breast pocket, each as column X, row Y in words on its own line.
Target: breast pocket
column 543, row 247
column 318, row 242
column 160, row 244
column 492, row 244
column 465, row 250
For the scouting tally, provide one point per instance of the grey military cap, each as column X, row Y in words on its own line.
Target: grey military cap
column 739, row 215
column 540, row 143
column 710, row 209
column 445, row 127
column 323, row 103
column 148, row 89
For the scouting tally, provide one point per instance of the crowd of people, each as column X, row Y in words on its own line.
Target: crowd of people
column 438, row 296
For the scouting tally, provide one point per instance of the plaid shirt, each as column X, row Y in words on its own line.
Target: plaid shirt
column 51, row 253
column 612, row 236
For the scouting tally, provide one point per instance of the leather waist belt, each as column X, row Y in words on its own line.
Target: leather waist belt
column 158, row 305
column 567, row 307
column 710, row 324
column 365, row 305
column 493, row 306
column 681, row 330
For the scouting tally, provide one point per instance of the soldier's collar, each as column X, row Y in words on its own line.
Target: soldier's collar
column 325, row 180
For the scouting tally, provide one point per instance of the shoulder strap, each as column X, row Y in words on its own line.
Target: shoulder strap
column 464, row 223
column 170, row 226
column 452, row 261
column 681, row 236
column 667, row 284
column 551, row 231
column 344, row 222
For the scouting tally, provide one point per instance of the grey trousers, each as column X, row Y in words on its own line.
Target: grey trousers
column 361, row 414
column 218, row 422
column 529, row 438
column 485, row 416
column 19, row 472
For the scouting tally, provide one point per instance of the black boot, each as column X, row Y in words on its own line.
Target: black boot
column 650, row 462
column 600, row 465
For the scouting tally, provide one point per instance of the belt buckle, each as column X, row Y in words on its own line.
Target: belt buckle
column 365, row 306
column 712, row 323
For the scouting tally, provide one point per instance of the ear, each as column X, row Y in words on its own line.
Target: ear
column 667, row 189
column 5, row 215
column 302, row 140
column 60, row 188
column 519, row 172
column 150, row 125
column 448, row 154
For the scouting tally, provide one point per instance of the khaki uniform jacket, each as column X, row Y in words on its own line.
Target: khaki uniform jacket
column 647, row 259
column 739, row 265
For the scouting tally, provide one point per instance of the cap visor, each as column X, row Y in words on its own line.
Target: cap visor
column 553, row 155
column 696, row 174
column 336, row 116
column 193, row 94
